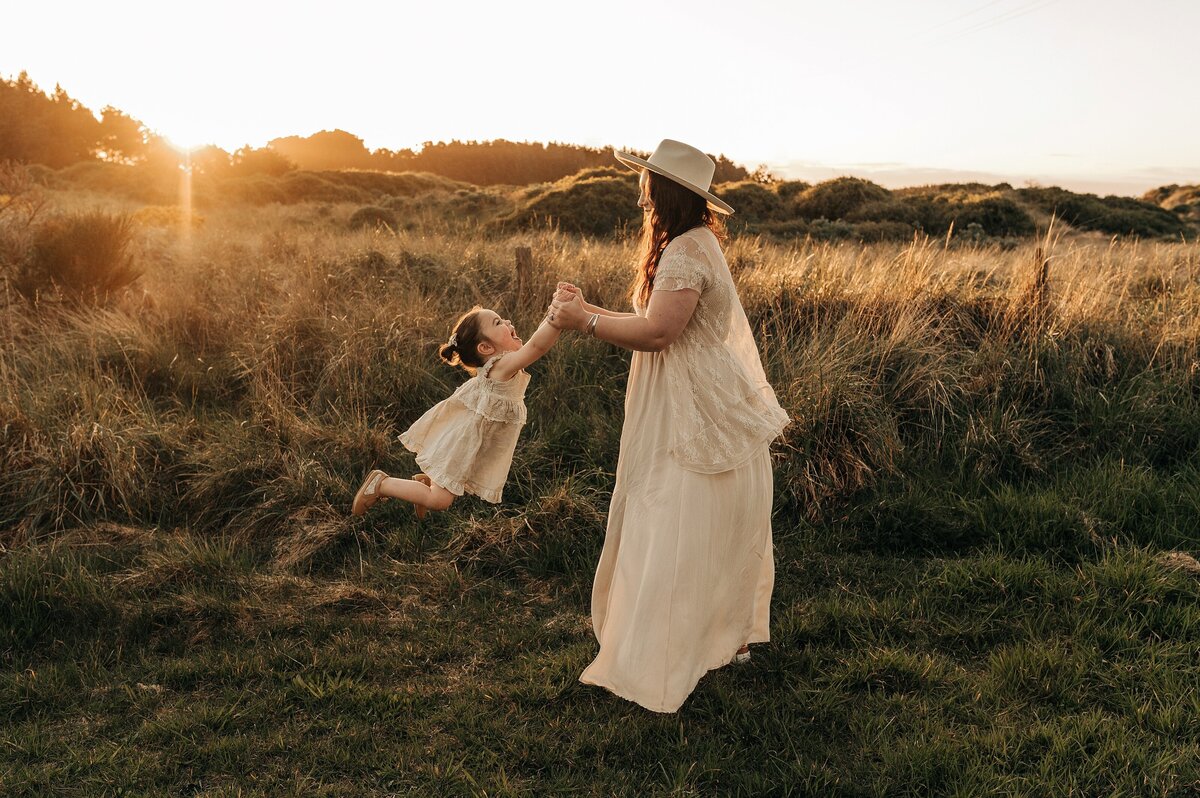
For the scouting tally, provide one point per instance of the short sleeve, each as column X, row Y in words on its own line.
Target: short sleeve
column 683, row 265
column 486, row 368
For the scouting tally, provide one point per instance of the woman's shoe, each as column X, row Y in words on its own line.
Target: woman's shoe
column 741, row 657
column 368, row 492
column 426, row 481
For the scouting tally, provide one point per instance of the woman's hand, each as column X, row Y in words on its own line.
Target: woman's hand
column 568, row 314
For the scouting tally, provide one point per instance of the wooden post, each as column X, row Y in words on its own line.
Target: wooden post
column 524, row 277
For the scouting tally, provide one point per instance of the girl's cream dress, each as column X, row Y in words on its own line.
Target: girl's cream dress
column 687, row 569
column 465, row 443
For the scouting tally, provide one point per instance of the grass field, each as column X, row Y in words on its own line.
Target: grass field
column 985, row 510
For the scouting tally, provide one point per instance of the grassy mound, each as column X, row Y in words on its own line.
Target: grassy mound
column 1113, row 215
column 595, row 202
column 1184, row 201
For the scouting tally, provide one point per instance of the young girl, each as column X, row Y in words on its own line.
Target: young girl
column 465, row 443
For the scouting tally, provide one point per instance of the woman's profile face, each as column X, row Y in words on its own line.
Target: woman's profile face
column 644, row 191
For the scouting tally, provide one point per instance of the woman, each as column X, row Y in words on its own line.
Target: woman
column 687, row 569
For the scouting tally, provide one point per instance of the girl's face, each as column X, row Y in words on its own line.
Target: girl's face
column 499, row 335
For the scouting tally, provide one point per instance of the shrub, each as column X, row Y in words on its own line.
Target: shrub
column 602, row 171
column 373, row 217
column 22, row 202
column 594, row 205
column 313, row 187
column 883, row 231
column 752, row 202
column 256, row 190
column 787, row 190
column 84, row 258
column 1112, row 214
column 997, row 216
column 836, row 199
column 151, row 183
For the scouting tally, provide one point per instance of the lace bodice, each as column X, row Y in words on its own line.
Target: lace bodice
column 722, row 407
column 492, row 399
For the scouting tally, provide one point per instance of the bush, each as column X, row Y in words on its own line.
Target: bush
column 836, row 199
column 373, row 217
column 883, row 231
column 788, row 190
column 84, row 258
column 602, row 171
column 998, row 216
column 1112, row 214
column 151, row 183
column 313, row 187
column 594, row 205
column 752, row 202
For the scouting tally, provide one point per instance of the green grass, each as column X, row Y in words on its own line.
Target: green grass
column 972, row 510
column 386, row 670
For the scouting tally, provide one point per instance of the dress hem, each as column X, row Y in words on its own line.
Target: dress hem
column 444, row 480
column 662, row 708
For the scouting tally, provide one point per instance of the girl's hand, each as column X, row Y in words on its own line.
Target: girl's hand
column 568, row 315
column 565, row 290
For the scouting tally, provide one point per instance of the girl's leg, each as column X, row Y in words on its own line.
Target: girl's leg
column 432, row 496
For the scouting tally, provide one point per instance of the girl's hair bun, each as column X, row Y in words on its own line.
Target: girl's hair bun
column 449, row 354
column 462, row 348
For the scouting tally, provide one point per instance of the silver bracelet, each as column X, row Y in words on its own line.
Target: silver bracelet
column 591, row 325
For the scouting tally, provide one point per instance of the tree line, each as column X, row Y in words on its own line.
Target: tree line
column 53, row 129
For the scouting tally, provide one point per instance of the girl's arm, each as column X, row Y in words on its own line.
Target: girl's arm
column 612, row 314
column 666, row 316
column 538, row 344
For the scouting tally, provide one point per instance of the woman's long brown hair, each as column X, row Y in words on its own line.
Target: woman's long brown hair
column 676, row 210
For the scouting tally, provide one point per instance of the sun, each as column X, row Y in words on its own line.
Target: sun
column 186, row 134
column 184, row 144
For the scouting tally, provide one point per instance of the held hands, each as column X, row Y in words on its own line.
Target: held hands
column 566, row 290
column 566, row 312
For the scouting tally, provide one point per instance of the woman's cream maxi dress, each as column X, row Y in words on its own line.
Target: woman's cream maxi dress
column 687, row 569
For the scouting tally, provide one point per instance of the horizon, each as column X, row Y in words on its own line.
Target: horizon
column 902, row 96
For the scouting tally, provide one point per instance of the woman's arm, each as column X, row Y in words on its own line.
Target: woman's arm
column 538, row 344
column 666, row 316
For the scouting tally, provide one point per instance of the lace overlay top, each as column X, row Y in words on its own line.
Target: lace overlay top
column 495, row 401
column 722, row 407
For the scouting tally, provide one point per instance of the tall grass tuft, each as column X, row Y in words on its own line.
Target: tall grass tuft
column 82, row 258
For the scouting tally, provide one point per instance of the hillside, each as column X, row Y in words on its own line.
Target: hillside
column 985, row 509
column 602, row 201
column 1184, row 201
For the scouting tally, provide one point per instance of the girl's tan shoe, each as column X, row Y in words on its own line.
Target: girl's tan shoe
column 426, row 481
column 368, row 492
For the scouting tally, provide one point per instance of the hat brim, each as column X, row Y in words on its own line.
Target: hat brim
column 635, row 163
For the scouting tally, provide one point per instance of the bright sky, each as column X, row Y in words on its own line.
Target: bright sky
column 1093, row 94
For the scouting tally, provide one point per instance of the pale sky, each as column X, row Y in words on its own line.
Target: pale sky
column 1091, row 94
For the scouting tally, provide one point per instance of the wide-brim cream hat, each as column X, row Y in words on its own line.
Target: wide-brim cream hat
column 686, row 165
